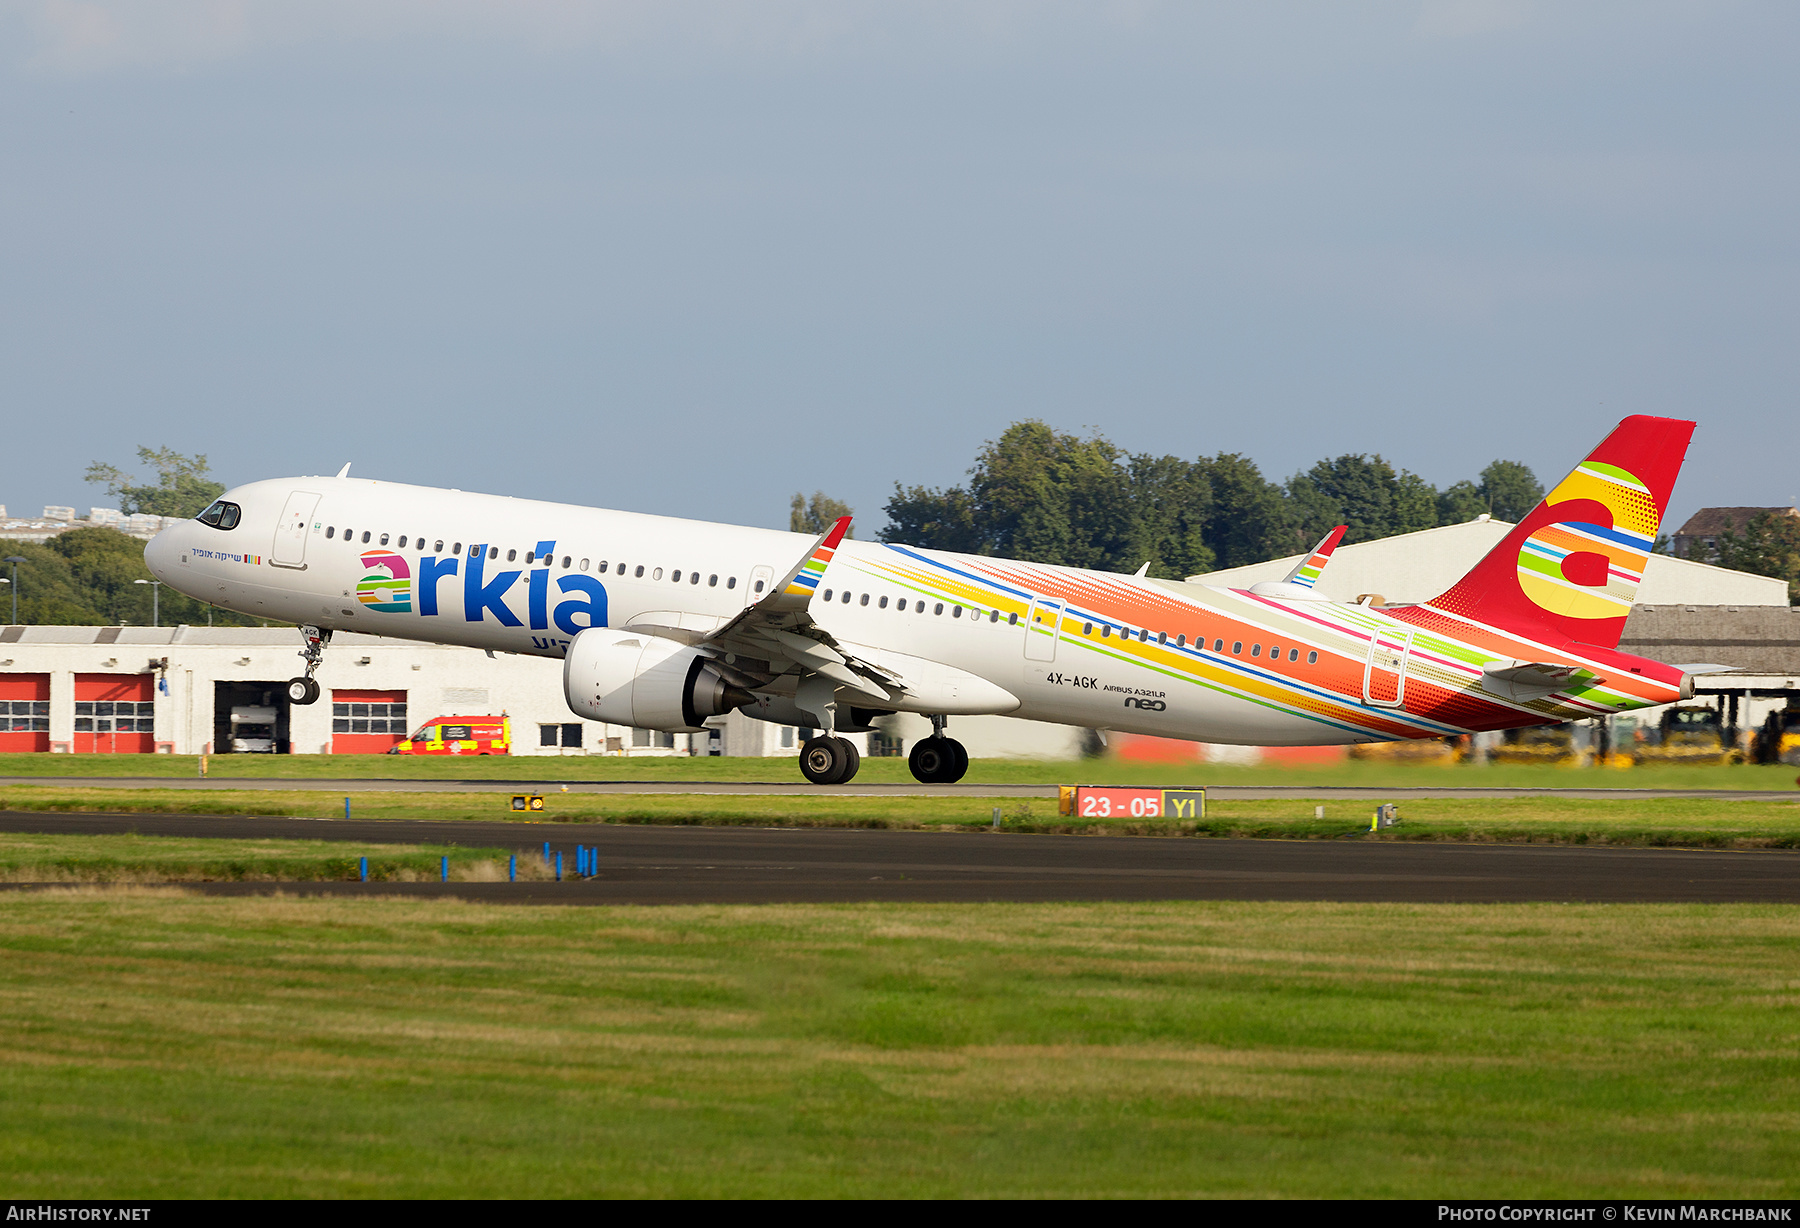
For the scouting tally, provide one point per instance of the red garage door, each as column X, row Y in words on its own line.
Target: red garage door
column 24, row 712
column 113, row 714
column 367, row 722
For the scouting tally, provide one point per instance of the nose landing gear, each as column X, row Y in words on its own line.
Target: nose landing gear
column 304, row 689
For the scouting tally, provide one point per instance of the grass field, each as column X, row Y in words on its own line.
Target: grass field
column 168, row 1046
column 27, row 857
column 1676, row 822
column 878, row 771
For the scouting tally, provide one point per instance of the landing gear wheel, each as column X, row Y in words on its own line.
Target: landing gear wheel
column 302, row 691
column 829, row 761
column 938, row 761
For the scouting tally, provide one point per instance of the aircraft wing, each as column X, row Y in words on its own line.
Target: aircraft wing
column 778, row 632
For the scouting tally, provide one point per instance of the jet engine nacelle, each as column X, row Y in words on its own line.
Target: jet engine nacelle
column 645, row 681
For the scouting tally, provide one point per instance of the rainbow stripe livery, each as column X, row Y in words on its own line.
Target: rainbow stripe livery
column 387, row 588
column 1306, row 574
column 665, row 624
column 1582, row 569
column 805, row 580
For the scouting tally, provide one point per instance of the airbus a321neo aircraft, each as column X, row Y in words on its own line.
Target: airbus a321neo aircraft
column 662, row 623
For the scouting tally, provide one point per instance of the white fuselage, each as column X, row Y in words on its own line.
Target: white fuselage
column 1075, row 647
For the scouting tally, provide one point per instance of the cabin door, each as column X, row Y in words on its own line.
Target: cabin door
column 1384, row 671
column 1042, row 626
column 290, row 535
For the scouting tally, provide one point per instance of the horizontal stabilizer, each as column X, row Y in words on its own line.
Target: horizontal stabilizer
column 1705, row 669
column 1521, row 681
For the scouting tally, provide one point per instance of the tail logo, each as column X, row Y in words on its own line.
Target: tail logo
column 388, row 585
column 1579, row 569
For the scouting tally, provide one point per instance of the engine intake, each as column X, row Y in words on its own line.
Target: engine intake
column 645, row 681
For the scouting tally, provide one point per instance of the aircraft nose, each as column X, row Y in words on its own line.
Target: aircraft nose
column 160, row 552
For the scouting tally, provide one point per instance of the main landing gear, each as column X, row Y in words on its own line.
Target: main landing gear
column 938, row 760
column 304, row 690
column 829, row 760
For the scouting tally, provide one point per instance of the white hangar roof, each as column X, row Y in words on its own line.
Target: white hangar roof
column 1419, row 566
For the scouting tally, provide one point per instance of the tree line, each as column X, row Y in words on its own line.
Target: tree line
column 88, row 577
column 1049, row 496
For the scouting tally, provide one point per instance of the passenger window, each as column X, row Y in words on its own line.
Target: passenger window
column 1293, row 654
column 1274, row 652
column 865, row 600
column 882, row 604
column 846, row 597
column 604, row 566
column 828, row 594
column 636, row 575
column 693, row 577
column 1237, row 646
column 330, row 530
column 1106, row 631
column 1162, row 637
column 493, row 551
column 956, row 611
column 1087, row 628
column 675, row 576
column 1143, row 635
column 456, row 549
column 438, row 548
column 712, row 581
column 583, row 565
column 920, row 609
column 383, row 541
column 1312, row 658
column 940, row 608
column 622, row 570
column 531, row 556
column 1256, row 650
column 656, row 574
column 566, row 563
column 1181, row 641
column 1012, row 620
column 402, row 541
column 731, row 582
column 759, row 586
column 365, row 537
column 512, row 555
column 993, row 616
column 1218, row 645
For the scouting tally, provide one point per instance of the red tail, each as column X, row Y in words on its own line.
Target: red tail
column 1570, row 570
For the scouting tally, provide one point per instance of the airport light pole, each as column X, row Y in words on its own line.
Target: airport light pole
column 155, row 600
column 15, row 560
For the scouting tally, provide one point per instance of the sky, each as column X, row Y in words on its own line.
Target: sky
column 690, row 256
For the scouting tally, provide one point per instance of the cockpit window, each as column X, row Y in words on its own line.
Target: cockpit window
column 221, row 515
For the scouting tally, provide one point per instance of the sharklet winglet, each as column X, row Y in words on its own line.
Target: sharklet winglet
column 796, row 591
column 1306, row 571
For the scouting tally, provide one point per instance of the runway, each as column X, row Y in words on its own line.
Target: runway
column 736, row 865
column 800, row 788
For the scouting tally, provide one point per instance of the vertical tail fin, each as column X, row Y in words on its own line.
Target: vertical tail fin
column 1570, row 569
